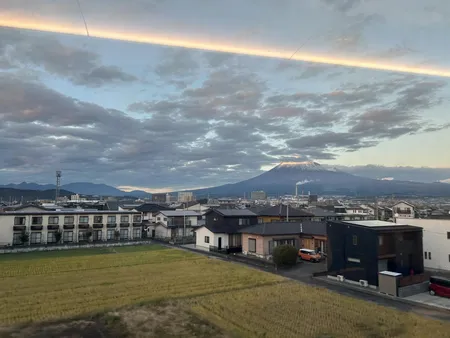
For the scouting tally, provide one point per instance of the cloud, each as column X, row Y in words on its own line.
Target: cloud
column 78, row 65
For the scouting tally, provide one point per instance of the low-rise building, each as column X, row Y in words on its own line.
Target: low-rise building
column 221, row 229
column 403, row 210
column 436, row 241
column 174, row 224
column 41, row 226
column 359, row 250
column 259, row 240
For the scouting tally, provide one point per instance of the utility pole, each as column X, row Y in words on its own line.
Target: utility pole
column 184, row 221
column 287, row 212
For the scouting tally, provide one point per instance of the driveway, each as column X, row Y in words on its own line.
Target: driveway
column 303, row 270
column 426, row 298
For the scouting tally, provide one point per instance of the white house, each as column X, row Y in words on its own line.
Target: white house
column 174, row 223
column 436, row 241
column 205, row 238
column 403, row 210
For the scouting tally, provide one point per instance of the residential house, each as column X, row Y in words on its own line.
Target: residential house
column 74, row 225
column 149, row 210
column 358, row 250
column 403, row 210
column 283, row 213
column 174, row 223
column 260, row 239
column 221, row 229
column 436, row 241
column 320, row 214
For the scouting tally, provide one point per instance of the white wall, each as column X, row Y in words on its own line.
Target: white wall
column 224, row 240
column 7, row 224
column 434, row 241
column 200, row 237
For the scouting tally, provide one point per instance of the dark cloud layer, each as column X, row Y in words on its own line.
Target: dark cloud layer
column 220, row 124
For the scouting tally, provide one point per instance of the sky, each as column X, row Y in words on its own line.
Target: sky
column 166, row 95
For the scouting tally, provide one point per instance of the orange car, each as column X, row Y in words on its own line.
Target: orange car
column 309, row 255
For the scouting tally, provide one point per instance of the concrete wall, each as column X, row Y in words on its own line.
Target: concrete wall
column 70, row 247
column 435, row 241
column 411, row 290
column 200, row 237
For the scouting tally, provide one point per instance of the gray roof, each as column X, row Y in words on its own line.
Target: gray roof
column 319, row 212
column 287, row 228
column 179, row 213
column 235, row 212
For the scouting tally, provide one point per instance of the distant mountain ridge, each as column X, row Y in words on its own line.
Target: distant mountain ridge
column 83, row 188
column 30, row 195
column 316, row 179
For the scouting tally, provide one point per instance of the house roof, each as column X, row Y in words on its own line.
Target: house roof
column 382, row 225
column 411, row 205
column 25, row 206
column 282, row 210
column 179, row 213
column 152, row 207
column 287, row 228
column 320, row 212
column 234, row 212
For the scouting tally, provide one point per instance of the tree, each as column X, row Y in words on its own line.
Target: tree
column 89, row 234
column 117, row 235
column 24, row 237
column 58, row 235
column 285, row 255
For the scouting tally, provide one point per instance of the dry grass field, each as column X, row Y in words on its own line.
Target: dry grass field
column 152, row 291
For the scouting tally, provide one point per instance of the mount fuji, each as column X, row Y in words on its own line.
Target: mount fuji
column 317, row 179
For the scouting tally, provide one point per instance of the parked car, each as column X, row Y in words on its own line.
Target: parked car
column 309, row 255
column 439, row 286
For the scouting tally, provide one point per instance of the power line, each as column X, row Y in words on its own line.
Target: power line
column 82, row 15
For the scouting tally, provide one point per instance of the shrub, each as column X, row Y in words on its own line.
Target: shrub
column 285, row 255
column 58, row 235
column 24, row 237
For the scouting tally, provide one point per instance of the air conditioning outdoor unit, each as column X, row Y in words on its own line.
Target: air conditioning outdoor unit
column 363, row 283
column 340, row 278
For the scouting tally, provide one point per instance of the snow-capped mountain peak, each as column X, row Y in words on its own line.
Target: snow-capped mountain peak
column 303, row 166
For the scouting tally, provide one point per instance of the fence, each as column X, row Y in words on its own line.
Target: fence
column 414, row 279
column 56, row 247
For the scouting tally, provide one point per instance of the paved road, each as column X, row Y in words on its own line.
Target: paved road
column 303, row 273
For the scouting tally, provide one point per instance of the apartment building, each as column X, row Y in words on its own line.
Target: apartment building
column 40, row 226
column 436, row 241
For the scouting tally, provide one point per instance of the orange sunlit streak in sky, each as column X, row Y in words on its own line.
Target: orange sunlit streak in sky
column 148, row 38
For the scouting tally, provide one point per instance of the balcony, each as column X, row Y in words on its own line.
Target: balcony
column 37, row 227
column 52, row 227
column 97, row 226
column 124, row 225
column 19, row 227
column 83, row 226
column 69, row 226
column 111, row 225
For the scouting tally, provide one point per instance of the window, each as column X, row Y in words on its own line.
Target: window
column 158, row 218
column 19, row 220
column 124, row 219
column 355, row 240
column 111, row 219
column 426, row 255
column 82, row 236
column 53, row 220
column 35, row 238
column 449, row 258
column 137, row 233
column 84, row 219
column 98, row 219
column 206, row 239
column 69, row 219
column 448, row 235
column 110, row 234
column 36, row 220
column 380, row 240
column 51, row 238
column 68, row 236
column 137, row 219
column 429, row 255
column 244, row 221
column 97, row 235
column 124, row 233
column 17, row 238
column 252, row 245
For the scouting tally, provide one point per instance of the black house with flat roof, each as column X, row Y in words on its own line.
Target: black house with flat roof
column 358, row 250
